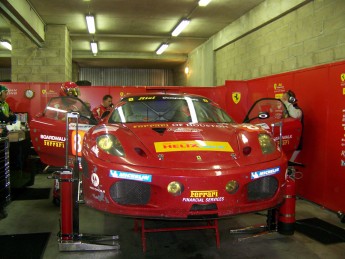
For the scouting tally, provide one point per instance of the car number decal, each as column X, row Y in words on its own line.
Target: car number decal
column 77, row 142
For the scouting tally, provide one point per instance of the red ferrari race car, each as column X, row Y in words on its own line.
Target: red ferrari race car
column 172, row 156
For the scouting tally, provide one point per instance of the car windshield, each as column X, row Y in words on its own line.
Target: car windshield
column 168, row 109
column 59, row 106
column 275, row 108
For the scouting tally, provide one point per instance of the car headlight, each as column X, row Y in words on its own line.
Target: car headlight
column 110, row 144
column 267, row 143
column 232, row 186
column 175, row 188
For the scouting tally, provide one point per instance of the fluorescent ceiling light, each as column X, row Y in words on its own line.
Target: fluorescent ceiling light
column 6, row 44
column 204, row 2
column 179, row 28
column 90, row 21
column 162, row 48
column 94, row 48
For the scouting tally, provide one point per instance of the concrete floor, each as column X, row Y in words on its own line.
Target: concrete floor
column 35, row 216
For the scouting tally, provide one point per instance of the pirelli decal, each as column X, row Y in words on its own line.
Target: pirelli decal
column 192, row 145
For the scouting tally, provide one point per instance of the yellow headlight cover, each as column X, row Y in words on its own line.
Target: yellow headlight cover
column 105, row 143
column 267, row 144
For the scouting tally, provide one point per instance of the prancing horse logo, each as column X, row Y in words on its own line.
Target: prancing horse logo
column 236, row 97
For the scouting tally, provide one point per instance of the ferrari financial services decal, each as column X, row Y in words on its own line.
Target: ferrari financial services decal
column 266, row 172
column 203, row 196
column 236, row 97
column 131, row 176
column 193, row 145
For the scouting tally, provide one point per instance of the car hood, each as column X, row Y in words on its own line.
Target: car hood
column 186, row 141
column 200, row 144
column 184, row 145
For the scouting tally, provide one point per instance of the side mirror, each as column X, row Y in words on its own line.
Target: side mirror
column 263, row 115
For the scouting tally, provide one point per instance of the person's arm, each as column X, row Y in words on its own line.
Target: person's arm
column 293, row 111
column 6, row 119
column 12, row 117
column 3, row 117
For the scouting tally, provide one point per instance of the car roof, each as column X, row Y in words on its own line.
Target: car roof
column 160, row 94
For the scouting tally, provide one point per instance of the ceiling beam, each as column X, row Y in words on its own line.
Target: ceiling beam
column 24, row 16
column 135, row 36
column 129, row 55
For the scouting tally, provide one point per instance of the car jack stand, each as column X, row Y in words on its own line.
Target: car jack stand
column 69, row 237
column 259, row 230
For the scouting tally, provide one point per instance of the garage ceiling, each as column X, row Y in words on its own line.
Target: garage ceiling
column 130, row 31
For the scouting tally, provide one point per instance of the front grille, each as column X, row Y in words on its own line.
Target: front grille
column 203, row 207
column 262, row 188
column 127, row 192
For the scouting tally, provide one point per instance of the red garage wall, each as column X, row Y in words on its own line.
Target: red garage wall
column 320, row 92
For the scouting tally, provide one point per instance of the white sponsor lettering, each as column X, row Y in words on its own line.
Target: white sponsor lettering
column 56, row 138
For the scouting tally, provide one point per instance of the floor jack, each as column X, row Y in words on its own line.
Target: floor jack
column 69, row 238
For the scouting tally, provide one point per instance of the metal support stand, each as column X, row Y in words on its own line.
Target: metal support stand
column 69, row 237
column 210, row 224
column 259, row 230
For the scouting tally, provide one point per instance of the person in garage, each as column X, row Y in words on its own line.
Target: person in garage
column 106, row 105
column 69, row 89
column 290, row 101
column 6, row 115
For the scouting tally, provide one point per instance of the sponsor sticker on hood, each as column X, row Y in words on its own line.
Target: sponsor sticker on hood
column 193, row 145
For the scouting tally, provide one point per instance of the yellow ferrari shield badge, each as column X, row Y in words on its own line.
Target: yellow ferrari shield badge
column 236, row 97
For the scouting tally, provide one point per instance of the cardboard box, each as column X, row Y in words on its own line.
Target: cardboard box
column 16, row 135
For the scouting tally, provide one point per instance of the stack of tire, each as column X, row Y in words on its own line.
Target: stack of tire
column 5, row 191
